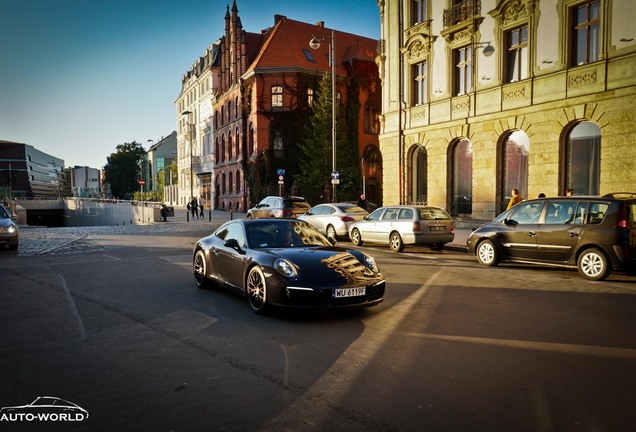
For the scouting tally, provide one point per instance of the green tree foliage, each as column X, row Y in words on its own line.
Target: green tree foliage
column 122, row 169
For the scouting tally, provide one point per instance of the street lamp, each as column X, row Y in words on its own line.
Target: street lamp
column 189, row 113
column 314, row 43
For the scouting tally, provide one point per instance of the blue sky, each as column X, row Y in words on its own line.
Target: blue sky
column 79, row 77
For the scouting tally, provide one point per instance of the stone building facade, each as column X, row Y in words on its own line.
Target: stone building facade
column 482, row 96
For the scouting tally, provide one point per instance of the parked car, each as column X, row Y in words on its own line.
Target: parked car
column 403, row 225
column 595, row 234
column 279, row 207
column 8, row 229
column 286, row 262
column 334, row 220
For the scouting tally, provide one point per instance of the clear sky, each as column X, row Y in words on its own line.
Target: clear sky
column 79, row 77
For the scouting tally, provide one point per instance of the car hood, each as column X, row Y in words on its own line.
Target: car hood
column 6, row 222
column 329, row 266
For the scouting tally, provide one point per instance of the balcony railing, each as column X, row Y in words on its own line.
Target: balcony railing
column 462, row 12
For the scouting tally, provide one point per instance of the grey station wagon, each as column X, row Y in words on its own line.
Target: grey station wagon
column 596, row 234
column 403, row 225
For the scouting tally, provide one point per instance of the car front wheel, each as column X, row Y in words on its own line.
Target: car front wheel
column 199, row 265
column 256, row 289
column 356, row 238
column 331, row 232
column 395, row 242
column 487, row 253
column 593, row 265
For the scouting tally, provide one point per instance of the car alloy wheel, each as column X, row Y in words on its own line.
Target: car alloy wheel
column 256, row 289
column 356, row 238
column 593, row 265
column 199, row 266
column 395, row 242
column 331, row 232
column 487, row 253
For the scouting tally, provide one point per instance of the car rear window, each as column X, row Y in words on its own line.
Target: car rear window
column 433, row 214
column 597, row 213
column 296, row 204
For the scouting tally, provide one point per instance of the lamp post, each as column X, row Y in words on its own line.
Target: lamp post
column 314, row 43
column 189, row 113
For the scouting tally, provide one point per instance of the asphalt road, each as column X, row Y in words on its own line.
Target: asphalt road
column 121, row 330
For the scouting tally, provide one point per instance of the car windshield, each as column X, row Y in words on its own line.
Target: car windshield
column 284, row 234
column 3, row 213
column 433, row 214
column 351, row 209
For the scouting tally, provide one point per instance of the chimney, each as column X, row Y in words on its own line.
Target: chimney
column 320, row 24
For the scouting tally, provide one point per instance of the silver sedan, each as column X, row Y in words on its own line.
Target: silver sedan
column 333, row 220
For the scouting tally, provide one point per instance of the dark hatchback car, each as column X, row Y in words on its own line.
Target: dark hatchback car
column 279, row 207
column 596, row 234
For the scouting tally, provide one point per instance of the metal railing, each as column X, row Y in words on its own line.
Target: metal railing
column 461, row 12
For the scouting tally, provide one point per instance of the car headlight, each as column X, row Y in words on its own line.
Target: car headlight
column 370, row 262
column 11, row 229
column 285, row 268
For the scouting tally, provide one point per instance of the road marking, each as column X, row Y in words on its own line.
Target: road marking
column 317, row 404
column 585, row 350
column 73, row 307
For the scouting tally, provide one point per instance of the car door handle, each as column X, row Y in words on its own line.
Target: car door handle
column 573, row 234
column 532, row 234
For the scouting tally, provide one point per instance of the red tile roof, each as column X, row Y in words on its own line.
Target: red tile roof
column 287, row 40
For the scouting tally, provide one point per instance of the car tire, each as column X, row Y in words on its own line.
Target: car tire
column 593, row 265
column 487, row 253
column 437, row 246
column 356, row 238
column 256, row 290
column 331, row 232
column 395, row 242
column 200, row 268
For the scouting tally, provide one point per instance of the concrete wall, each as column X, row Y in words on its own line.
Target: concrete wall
column 100, row 213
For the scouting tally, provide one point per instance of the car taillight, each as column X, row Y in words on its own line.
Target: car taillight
column 622, row 219
column 347, row 219
column 452, row 227
column 416, row 226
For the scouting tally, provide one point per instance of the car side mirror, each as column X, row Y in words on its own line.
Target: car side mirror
column 511, row 222
column 234, row 244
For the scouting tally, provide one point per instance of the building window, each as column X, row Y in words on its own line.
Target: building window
column 463, row 74
column 230, row 182
column 583, row 159
column 229, row 146
column 278, row 144
column 418, row 11
column 462, row 178
column 223, row 148
column 223, row 184
column 238, row 181
column 310, row 97
column 515, row 166
column 222, row 115
column 229, row 111
column 420, row 84
column 216, row 150
column 517, row 56
column 237, row 142
column 250, row 139
column 308, row 55
column 586, row 21
column 238, row 111
column 277, row 96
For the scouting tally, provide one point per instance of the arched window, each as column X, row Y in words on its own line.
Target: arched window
column 229, row 146
column 223, row 184
column 237, row 143
column 216, row 150
column 230, row 183
column 419, row 167
column 223, row 148
column 462, row 178
column 583, row 159
column 514, row 166
column 236, row 103
column 238, row 181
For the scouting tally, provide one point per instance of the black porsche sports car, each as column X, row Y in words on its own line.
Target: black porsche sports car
column 286, row 262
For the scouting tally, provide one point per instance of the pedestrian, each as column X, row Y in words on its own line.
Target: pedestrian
column 201, row 205
column 516, row 198
column 569, row 192
column 193, row 207
column 362, row 202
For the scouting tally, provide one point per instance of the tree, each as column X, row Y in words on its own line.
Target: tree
column 122, row 169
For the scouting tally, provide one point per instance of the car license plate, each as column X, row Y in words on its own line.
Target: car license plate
column 437, row 228
column 349, row 292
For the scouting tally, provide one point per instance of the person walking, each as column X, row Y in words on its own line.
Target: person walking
column 516, row 198
column 194, row 207
column 201, row 205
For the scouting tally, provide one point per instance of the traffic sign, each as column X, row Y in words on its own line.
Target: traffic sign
column 280, row 171
column 335, row 175
column 142, row 182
